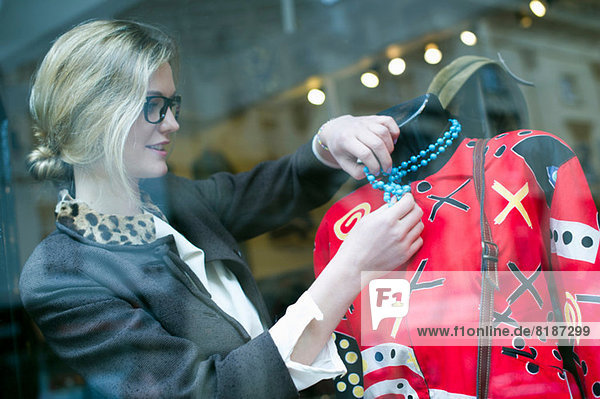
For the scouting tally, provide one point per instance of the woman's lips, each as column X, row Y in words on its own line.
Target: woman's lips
column 159, row 148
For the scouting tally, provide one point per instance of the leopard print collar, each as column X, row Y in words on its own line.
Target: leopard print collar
column 108, row 229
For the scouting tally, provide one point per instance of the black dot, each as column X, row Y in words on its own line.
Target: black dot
column 103, row 227
column 587, row 241
column 393, row 353
column 567, row 237
column 518, row 342
column 596, row 389
column 123, row 238
column 409, row 397
column 584, row 367
column 114, row 220
column 92, row 219
column 142, row 223
column 400, row 385
column 106, row 235
column 378, row 356
column 532, row 368
column 486, row 149
column 500, row 151
column 555, row 236
column 423, row 187
column 501, row 135
column 533, row 352
column 75, row 210
column 561, row 375
column 556, row 354
column 471, row 144
column 524, row 133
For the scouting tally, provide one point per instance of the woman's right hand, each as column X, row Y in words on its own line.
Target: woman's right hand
column 384, row 239
column 379, row 242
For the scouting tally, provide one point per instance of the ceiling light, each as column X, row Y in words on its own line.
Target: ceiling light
column 537, row 8
column 526, row 21
column 316, row 96
column 432, row 55
column 369, row 79
column 469, row 38
column 396, row 66
column 393, row 51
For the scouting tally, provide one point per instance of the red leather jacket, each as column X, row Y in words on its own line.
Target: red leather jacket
column 545, row 224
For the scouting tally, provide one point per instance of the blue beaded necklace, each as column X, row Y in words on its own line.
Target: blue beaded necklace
column 393, row 186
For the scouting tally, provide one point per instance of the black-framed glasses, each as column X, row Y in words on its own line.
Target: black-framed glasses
column 155, row 108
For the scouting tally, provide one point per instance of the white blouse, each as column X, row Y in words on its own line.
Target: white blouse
column 227, row 293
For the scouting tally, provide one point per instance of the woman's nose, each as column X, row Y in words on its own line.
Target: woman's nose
column 169, row 123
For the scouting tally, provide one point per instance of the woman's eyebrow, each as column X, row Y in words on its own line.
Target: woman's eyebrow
column 158, row 93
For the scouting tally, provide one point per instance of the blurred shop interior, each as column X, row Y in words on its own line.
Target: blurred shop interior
column 257, row 79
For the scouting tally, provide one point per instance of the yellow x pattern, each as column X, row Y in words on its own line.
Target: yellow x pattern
column 514, row 202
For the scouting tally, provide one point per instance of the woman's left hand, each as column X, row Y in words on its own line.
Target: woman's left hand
column 369, row 139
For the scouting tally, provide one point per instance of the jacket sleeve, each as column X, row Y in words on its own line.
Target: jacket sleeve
column 266, row 197
column 574, row 245
column 350, row 384
column 122, row 351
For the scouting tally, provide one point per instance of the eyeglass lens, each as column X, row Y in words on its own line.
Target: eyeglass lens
column 156, row 107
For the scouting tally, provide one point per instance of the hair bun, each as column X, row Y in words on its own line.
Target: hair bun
column 45, row 164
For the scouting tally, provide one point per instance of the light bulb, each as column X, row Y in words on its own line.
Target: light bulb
column 369, row 79
column 432, row 55
column 316, row 96
column 396, row 66
column 537, row 8
column 526, row 21
column 393, row 51
column 469, row 38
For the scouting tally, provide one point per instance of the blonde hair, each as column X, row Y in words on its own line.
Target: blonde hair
column 88, row 92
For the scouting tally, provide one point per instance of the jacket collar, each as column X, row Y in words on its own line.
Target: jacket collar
column 102, row 228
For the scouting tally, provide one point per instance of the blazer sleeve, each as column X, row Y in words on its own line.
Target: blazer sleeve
column 122, row 351
column 266, row 197
column 575, row 236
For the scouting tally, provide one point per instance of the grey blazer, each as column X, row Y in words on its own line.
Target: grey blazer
column 135, row 321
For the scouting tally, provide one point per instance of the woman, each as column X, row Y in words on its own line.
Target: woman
column 142, row 288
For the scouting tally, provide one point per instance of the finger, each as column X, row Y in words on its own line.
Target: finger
column 368, row 159
column 414, row 247
column 412, row 218
column 352, row 168
column 401, row 208
column 391, row 124
column 384, row 135
column 408, row 222
column 415, row 232
column 378, row 149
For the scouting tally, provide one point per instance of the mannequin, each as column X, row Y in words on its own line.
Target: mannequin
column 421, row 121
column 483, row 94
column 529, row 181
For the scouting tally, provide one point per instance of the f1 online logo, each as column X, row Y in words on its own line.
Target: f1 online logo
column 388, row 299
